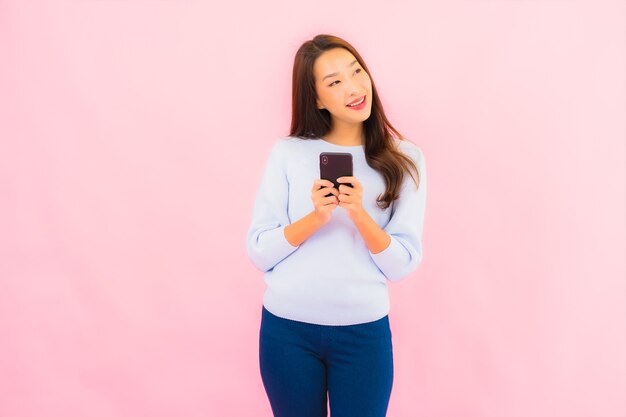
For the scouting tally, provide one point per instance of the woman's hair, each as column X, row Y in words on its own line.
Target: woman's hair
column 309, row 122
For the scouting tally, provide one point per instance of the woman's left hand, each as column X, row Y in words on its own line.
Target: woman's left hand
column 350, row 198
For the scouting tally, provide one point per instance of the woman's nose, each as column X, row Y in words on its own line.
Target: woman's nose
column 354, row 89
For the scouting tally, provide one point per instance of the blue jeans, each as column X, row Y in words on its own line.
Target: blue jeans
column 302, row 362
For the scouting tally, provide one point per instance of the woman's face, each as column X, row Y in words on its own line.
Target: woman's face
column 340, row 80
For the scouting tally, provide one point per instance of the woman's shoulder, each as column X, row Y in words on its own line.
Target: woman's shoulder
column 282, row 146
column 409, row 148
column 293, row 146
column 286, row 143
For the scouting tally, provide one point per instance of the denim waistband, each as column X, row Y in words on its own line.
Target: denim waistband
column 383, row 321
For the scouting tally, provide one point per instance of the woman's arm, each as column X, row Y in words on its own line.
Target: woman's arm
column 271, row 236
column 351, row 199
column 298, row 232
column 375, row 238
column 396, row 249
column 266, row 243
column 405, row 227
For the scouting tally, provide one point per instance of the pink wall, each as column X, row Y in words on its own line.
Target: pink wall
column 132, row 138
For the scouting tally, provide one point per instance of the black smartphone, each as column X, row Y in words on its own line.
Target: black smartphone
column 334, row 165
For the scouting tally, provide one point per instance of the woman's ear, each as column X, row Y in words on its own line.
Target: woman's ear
column 319, row 104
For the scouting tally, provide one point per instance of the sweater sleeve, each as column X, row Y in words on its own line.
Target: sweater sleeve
column 404, row 253
column 266, row 243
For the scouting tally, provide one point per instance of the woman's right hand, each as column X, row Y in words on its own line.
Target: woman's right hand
column 324, row 206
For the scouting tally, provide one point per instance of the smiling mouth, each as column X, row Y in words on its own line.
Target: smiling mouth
column 354, row 104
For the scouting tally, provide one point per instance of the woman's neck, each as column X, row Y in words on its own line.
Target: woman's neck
column 345, row 135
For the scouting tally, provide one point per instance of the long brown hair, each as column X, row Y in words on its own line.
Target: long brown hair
column 309, row 122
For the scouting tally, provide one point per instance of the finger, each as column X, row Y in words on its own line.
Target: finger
column 344, row 189
column 349, row 181
column 346, row 179
column 345, row 198
column 323, row 192
column 350, row 199
column 326, row 201
column 317, row 184
column 323, row 200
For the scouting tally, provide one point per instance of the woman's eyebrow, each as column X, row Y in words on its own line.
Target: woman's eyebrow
column 336, row 73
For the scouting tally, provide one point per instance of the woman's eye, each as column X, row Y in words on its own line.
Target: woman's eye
column 336, row 81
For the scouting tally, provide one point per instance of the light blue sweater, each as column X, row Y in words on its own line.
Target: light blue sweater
column 331, row 278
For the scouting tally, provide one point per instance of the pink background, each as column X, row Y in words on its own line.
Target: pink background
column 132, row 139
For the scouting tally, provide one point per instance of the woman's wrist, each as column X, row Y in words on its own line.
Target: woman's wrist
column 376, row 239
column 360, row 217
column 301, row 230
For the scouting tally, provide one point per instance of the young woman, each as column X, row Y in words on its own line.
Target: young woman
column 328, row 253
